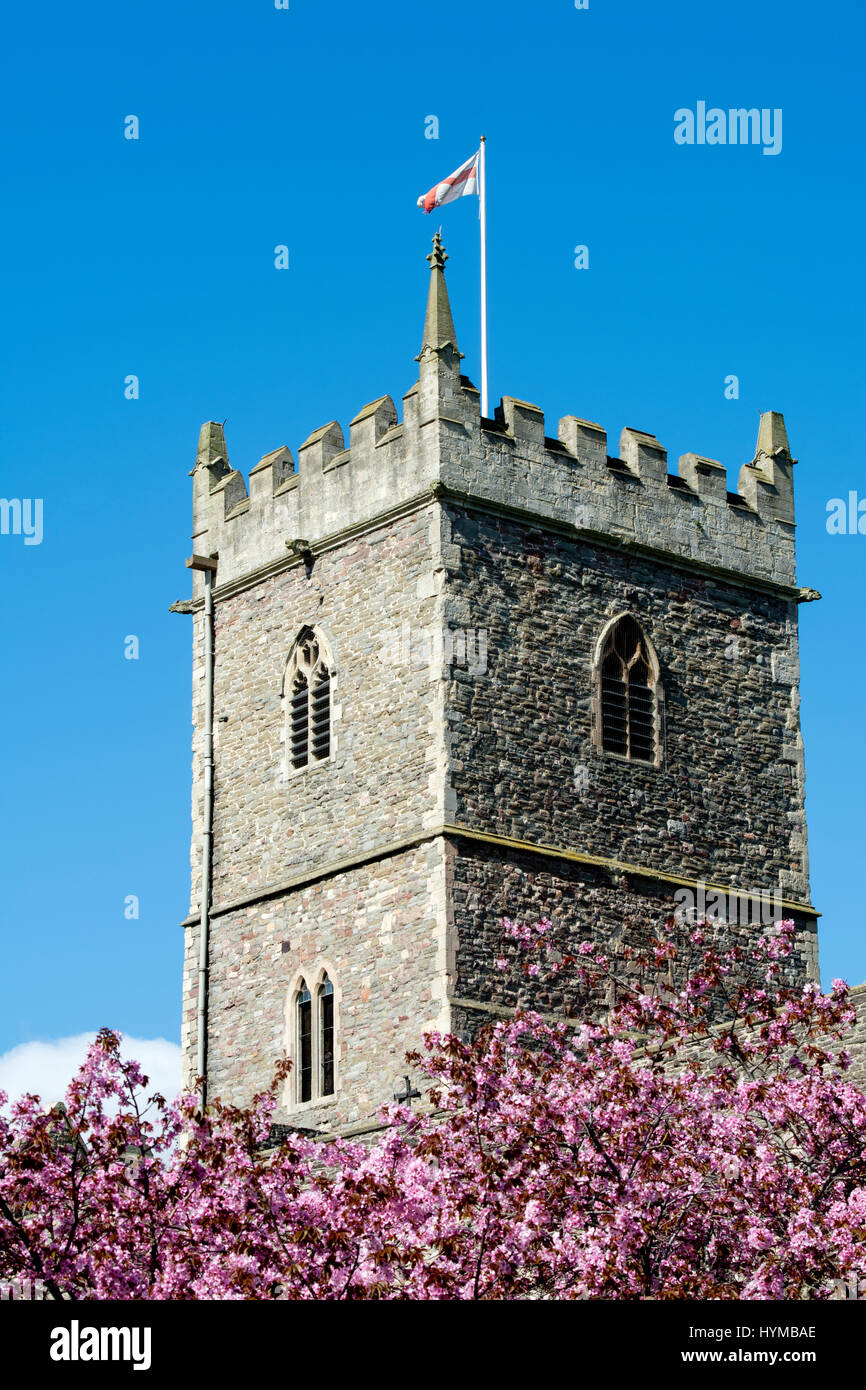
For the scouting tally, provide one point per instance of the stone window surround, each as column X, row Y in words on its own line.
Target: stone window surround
column 313, row 980
column 655, row 686
column 327, row 656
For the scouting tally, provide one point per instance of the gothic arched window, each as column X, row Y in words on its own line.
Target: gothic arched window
column 326, row 1037
column 628, row 682
column 309, row 690
column 312, row 1037
column 304, row 1042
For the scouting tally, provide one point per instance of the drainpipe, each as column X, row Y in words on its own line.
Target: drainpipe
column 208, row 569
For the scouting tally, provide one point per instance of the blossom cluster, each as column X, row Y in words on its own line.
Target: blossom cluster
column 698, row 1139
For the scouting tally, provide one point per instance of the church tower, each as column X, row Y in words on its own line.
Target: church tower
column 459, row 669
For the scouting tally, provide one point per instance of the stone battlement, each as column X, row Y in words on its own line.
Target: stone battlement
column 509, row 461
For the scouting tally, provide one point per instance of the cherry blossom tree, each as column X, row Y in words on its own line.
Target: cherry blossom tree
column 688, row 1131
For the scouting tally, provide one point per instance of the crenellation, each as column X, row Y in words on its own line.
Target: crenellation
column 320, row 448
column 370, row 425
column 682, row 487
column 232, row 489
column 644, row 455
column 289, row 484
column 509, row 462
column 707, row 477
column 586, row 440
column 524, row 423
column 271, row 472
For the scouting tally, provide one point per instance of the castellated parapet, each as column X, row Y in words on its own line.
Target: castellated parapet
column 443, row 442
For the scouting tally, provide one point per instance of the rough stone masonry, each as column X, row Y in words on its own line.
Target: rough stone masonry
column 460, row 572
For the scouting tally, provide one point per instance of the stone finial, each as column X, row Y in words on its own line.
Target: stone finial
column 438, row 256
column 438, row 325
column 772, row 436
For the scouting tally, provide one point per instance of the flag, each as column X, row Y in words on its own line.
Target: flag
column 464, row 180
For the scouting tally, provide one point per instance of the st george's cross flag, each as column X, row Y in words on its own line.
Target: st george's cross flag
column 464, row 180
column 471, row 177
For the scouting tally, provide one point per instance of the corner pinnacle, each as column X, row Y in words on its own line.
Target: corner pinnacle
column 438, row 325
column 772, row 436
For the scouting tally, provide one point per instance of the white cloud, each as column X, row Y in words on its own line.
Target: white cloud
column 46, row 1068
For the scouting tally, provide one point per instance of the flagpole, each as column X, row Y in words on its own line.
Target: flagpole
column 482, row 214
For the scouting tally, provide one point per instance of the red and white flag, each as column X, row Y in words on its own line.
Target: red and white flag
column 457, row 185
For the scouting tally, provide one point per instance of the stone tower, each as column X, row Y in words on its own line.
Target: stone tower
column 462, row 669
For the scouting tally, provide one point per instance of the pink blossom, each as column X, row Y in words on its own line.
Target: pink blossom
column 631, row 1153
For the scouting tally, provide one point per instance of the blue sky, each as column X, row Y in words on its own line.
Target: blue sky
column 306, row 127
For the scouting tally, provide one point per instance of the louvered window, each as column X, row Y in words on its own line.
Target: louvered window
column 310, row 704
column 320, row 714
column 628, row 702
column 300, row 719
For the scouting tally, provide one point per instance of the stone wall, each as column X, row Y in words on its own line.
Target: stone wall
column 380, row 931
column 726, row 803
column 269, row 822
column 855, row 1042
column 583, row 901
